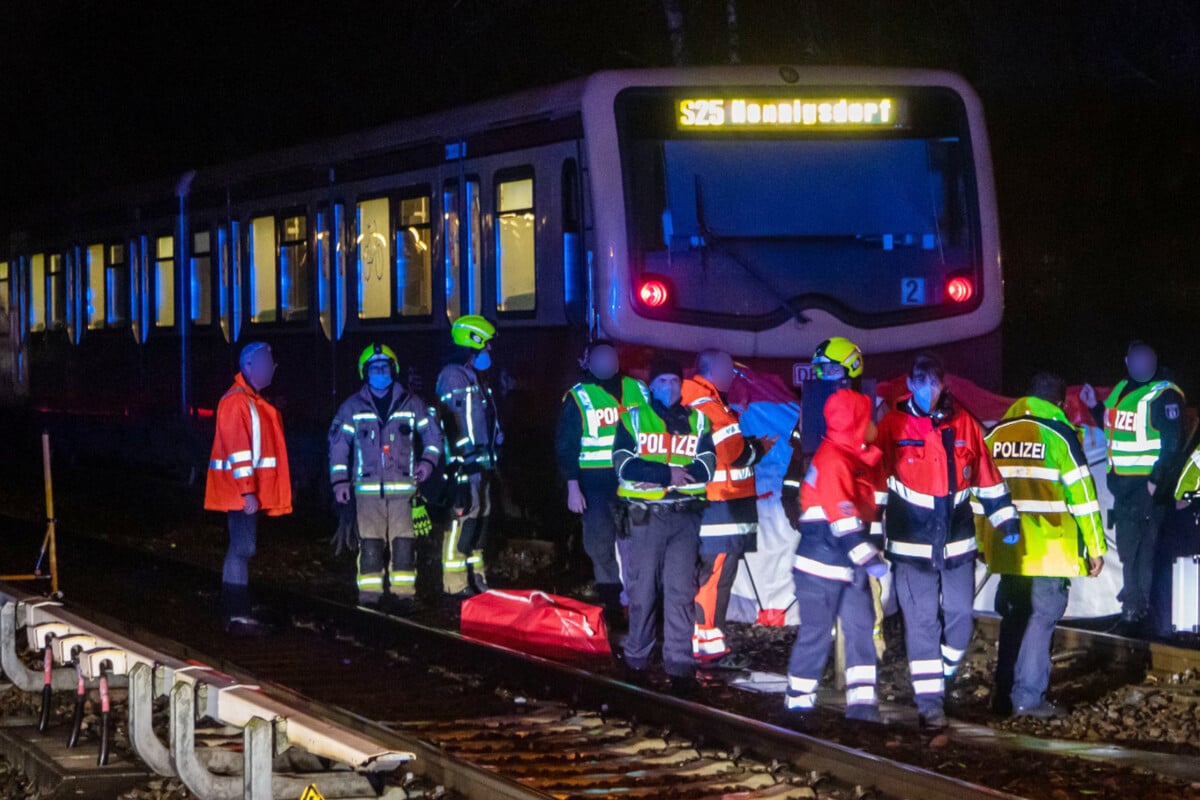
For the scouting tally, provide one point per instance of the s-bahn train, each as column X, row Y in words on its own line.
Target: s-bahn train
column 756, row 209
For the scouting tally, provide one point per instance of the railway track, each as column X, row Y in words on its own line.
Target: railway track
column 471, row 712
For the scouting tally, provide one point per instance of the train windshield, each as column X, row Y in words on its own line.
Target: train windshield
column 747, row 223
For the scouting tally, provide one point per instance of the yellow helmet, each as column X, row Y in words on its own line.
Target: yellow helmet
column 472, row 331
column 377, row 352
column 839, row 350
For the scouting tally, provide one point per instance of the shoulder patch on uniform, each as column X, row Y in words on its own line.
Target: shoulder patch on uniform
column 1172, row 411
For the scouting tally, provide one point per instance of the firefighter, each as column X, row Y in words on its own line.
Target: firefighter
column 1040, row 456
column 836, row 554
column 837, row 364
column 729, row 527
column 588, row 421
column 472, row 436
column 382, row 444
column 663, row 458
column 1142, row 419
column 247, row 476
column 934, row 459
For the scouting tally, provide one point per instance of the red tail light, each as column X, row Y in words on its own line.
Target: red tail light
column 960, row 290
column 654, row 293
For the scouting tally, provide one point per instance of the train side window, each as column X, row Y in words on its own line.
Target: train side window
column 516, row 286
column 116, row 286
column 95, row 287
column 575, row 282
column 37, row 292
column 201, row 278
column 263, row 268
column 56, row 291
column 452, row 240
column 5, row 297
column 164, row 282
column 374, row 245
column 294, row 267
column 414, row 265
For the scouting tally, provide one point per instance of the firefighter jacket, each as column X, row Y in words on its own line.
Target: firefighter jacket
column 840, row 498
column 933, row 464
column 469, row 422
column 379, row 456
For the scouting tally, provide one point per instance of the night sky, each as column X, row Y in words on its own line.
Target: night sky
column 1092, row 110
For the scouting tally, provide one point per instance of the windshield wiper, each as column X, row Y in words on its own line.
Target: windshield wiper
column 709, row 238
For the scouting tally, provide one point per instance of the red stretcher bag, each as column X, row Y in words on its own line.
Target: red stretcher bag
column 537, row 623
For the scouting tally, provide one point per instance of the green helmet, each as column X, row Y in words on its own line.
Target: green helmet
column 376, row 352
column 472, row 331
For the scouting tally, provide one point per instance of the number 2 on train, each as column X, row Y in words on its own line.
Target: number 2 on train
column 912, row 291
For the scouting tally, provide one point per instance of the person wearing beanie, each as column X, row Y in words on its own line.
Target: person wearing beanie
column 663, row 457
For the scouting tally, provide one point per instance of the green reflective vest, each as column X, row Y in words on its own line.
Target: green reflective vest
column 1039, row 455
column 655, row 443
column 601, row 412
column 1134, row 444
column 1188, row 485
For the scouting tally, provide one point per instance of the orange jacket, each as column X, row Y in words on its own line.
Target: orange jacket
column 249, row 455
column 729, row 482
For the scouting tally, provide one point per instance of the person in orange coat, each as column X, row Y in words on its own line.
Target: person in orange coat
column 247, row 475
column 729, row 527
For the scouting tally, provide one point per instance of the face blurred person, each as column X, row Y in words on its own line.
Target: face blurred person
column 1141, row 362
column 258, row 365
column 602, row 362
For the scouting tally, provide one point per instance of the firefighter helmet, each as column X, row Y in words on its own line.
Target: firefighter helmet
column 472, row 331
column 377, row 352
column 839, row 350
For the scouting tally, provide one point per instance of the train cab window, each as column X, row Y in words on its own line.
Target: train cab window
column 201, row 278
column 37, row 292
column 116, row 286
column 463, row 290
column 95, row 287
column 263, row 268
column 515, row 234
column 56, row 291
column 414, row 276
column 164, row 282
column 374, row 245
column 294, row 267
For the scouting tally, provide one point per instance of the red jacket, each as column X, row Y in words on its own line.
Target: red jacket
column 249, row 455
column 932, row 469
column 839, row 499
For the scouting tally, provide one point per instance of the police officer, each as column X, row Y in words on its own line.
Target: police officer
column 934, row 459
column 836, row 554
column 1142, row 419
column 663, row 457
column 587, row 425
column 382, row 444
column 837, row 364
column 729, row 527
column 1038, row 452
column 472, row 436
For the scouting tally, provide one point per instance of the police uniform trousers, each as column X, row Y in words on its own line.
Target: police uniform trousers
column 1138, row 520
column 821, row 602
column 937, row 605
column 466, row 537
column 600, row 539
column 385, row 523
column 1029, row 608
column 663, row 546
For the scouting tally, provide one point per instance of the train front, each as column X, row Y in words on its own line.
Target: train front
column 764, row 210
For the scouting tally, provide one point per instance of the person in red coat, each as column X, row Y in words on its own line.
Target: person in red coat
column 247, row 474
column 836, row 554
